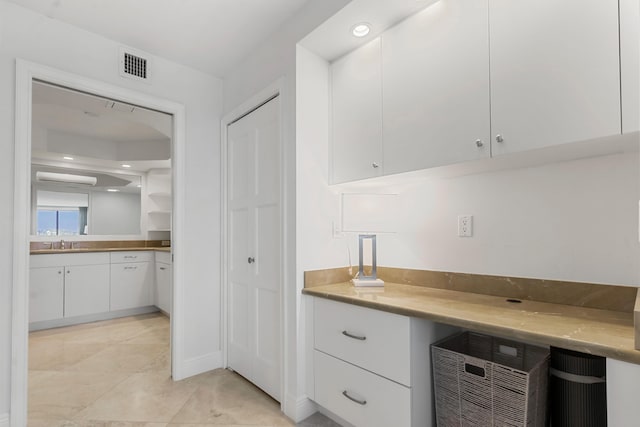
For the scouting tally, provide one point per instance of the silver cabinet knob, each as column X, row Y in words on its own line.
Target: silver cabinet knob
column 479, row 143
column 499, row 138
column 375, row 165
column 251, row 260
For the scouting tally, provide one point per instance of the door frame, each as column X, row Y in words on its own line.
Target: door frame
column 26, row 72
column 276, row 88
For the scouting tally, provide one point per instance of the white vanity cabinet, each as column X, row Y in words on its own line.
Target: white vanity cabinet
column 623, row 389
column 163, row 288
column 132, row 277
column 356, row 115
column 68, row 285
column 372, row 368
column 555, row 72
column 435, row 86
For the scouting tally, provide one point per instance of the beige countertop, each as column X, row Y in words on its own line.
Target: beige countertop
column 596, row 331
column 84, row 250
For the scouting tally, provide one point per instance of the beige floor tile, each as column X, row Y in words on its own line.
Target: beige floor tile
column 228, row 399
column 69, row 423
column 50, row 355
column 61, row 395
column 150, row 397
column 151, row 335
column 127, row 358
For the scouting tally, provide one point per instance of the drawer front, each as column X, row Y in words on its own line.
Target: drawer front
column 131, row 256
column 381, row 402
column 374, row 340
column 55, row 260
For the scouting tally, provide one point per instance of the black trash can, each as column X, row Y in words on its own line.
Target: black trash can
column 578, row 389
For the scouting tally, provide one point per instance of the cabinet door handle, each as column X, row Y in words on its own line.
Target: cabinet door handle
column 355, row 337
column 353, row 399
column 499, row 138
column 68, row 271
column 375, row 165
column 59, row 271
column 131, row 268
column 251, row 260
column 163, row 268
column 130, row 256
column 479, row 143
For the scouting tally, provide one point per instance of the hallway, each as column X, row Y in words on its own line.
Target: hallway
column 117, row 373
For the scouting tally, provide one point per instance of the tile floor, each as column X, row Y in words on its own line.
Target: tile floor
column 116, row 374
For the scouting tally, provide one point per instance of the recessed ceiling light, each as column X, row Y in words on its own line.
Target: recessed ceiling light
column 361, row 29
column 68, row 158
column 112, row 190
column 126, row 166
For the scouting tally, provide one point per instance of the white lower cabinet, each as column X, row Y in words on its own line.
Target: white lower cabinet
column 359, row 396
column 131, row 282
column 373, row 368
column 163, row 287
column 86, row 290
column 46, row 294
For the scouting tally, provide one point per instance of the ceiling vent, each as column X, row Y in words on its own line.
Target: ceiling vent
column 134, row 64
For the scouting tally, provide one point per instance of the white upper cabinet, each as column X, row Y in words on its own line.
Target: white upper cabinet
column 630, row 64
column 356, row 115
column 555, row 74
column 435, row 83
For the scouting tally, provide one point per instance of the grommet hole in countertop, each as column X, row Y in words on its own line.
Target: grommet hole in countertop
column 513, row 300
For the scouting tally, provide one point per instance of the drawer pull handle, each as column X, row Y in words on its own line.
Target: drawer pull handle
column 358, row 401
column 131, row 256
column 355, row 337
column 163, row 268
column 131, row 268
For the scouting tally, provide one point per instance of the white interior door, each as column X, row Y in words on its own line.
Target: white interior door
column 254, row 247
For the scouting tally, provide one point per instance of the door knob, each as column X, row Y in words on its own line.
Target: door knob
column 251, row 260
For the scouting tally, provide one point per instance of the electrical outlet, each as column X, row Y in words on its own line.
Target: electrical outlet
column 465, row 225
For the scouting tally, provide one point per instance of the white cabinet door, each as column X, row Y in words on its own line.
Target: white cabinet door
column 163, row 287
column 623, row 389
column 435, row 68
column 630, row 64
column 46, row 293
column 356, row 115
column 86, row 290
column 131, row 285
column 555, row 74
column 254, row 247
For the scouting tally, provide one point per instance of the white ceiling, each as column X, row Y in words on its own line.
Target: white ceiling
column 208, row 35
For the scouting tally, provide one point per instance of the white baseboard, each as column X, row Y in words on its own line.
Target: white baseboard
column 200, row 364
column 299, row 408
column 4, row 420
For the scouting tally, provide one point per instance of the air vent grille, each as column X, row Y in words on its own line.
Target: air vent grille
column 135, row 66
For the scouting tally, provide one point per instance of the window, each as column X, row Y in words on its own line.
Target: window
column 61, row 214
column 60, row 221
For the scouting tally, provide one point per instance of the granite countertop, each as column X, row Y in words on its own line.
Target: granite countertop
column 84, row 250
column 596, row 331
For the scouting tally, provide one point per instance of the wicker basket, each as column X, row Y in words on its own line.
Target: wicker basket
column 485, row 381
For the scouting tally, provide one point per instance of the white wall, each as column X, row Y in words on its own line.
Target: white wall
column 24, row 34
column 114, row 213
column 276, row 59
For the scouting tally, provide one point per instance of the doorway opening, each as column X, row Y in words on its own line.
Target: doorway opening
column 97, row 217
